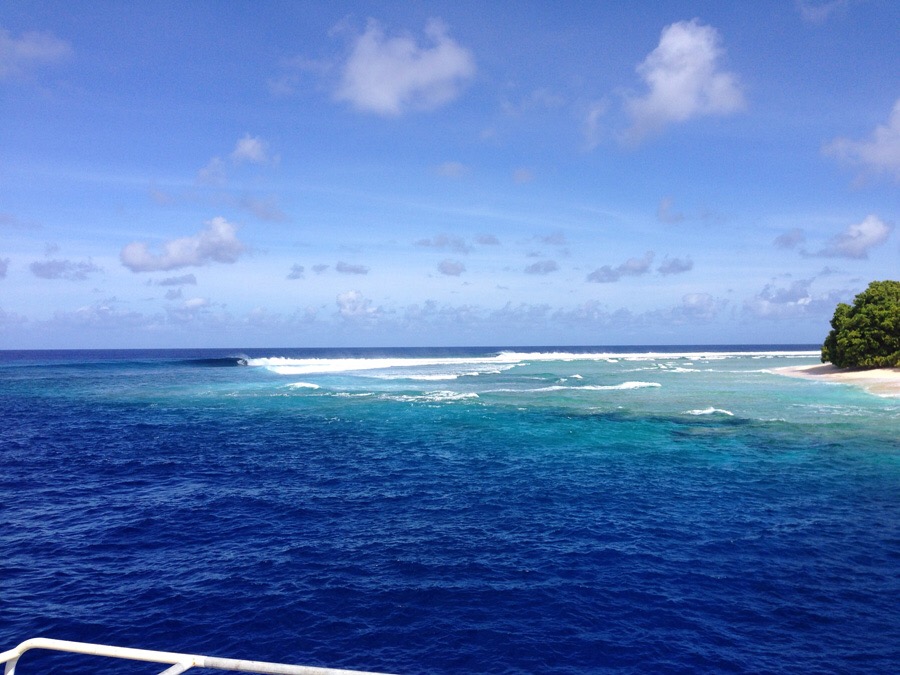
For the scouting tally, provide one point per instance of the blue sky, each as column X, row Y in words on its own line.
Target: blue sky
column 178, row 174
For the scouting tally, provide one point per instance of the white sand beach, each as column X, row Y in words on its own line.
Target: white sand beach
column 879, row 381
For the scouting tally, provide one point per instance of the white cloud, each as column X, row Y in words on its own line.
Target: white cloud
column 592, row 129
column 217, row 243
column 452, row 268
column 858, row 239
column 250, row 149
column 774, row 302
column 697, row 307
column 18, row 56
column 389, row 76
column 352, row 305
column 880, row 153
column 685, row 80
column 63, row 269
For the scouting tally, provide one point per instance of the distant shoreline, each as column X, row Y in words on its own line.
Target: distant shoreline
column 879, row 381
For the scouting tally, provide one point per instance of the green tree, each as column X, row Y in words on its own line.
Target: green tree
column 866, row 335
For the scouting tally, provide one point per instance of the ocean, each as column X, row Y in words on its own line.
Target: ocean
column 497, row 510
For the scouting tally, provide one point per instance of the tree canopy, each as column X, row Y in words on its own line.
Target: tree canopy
column 866, row 335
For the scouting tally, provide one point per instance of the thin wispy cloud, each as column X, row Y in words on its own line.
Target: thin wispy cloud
column 217, row 243
column 666, row 212
column 818, row 12
column 685, row 79
column 451, row 170
column 393, row 75
column 22, row 55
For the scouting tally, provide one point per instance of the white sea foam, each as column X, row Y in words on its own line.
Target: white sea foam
column 448, row 368
column 303, row 385
column 709, row 411
column 586, row 387
column 430, row 397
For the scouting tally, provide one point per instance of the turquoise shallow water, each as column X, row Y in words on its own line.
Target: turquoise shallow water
column 446, row 511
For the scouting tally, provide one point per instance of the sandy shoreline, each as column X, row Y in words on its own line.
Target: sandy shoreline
column 880, row 381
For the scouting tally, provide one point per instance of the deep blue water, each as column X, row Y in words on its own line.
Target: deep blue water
column 450, row 511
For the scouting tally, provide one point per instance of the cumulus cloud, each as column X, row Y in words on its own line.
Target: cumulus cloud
column 442, row 241
column 542, row 267
column 684, row 79
column 217, row 243
column 630, row 268
column 697, row 307
column 250, row 149
column 297, row 272
column 20, row 56
column 675, row 266
column 790, row 239
column 63, row 269
column 879, row 154
column 354, row 306
column 389, row 76
column 797, row 299
column 347, row 268
column 858, row 239
column 452, row 268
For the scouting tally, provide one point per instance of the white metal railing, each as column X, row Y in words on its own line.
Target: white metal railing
column 178, row 662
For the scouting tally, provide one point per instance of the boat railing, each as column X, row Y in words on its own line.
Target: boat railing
column 177, row 662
